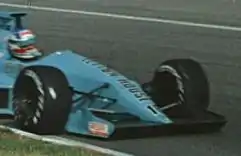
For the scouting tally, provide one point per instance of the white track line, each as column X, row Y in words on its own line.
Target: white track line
column 128, row 17
column 64, row 141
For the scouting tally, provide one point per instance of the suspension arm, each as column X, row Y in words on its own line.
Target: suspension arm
column 91, row 95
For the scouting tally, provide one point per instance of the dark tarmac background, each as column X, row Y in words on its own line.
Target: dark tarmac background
column 135, row 48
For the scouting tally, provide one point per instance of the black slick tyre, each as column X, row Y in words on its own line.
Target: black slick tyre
column 180, row 88
column 41, row 100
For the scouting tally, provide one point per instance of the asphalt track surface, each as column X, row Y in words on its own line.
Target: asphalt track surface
column 135, row 48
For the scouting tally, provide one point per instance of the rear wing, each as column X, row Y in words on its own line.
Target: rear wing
column 12, row 14
column 7, row 20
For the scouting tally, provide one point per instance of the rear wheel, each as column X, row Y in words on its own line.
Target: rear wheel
column 42, row 100
column 180, row 88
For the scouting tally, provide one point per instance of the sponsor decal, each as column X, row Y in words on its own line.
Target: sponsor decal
column 132, row 88
column 98, row 129
column 108, row 71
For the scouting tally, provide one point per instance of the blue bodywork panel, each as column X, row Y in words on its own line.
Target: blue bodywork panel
column 83, row 75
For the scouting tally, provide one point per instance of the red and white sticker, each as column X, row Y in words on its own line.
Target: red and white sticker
column 97, row 128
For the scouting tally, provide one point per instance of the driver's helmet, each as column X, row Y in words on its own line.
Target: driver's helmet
column 21, row 45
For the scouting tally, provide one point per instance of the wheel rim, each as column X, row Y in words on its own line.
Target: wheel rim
column 25, row 100
column 165, row 88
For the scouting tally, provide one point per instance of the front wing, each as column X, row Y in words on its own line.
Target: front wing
column 124, row 126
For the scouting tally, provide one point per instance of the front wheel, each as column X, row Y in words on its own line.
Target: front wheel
column 41, row 100
column 180, row 88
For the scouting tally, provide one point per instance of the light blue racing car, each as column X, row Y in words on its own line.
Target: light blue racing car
column 66, row 92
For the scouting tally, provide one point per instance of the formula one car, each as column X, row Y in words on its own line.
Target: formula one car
column 67, row 92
